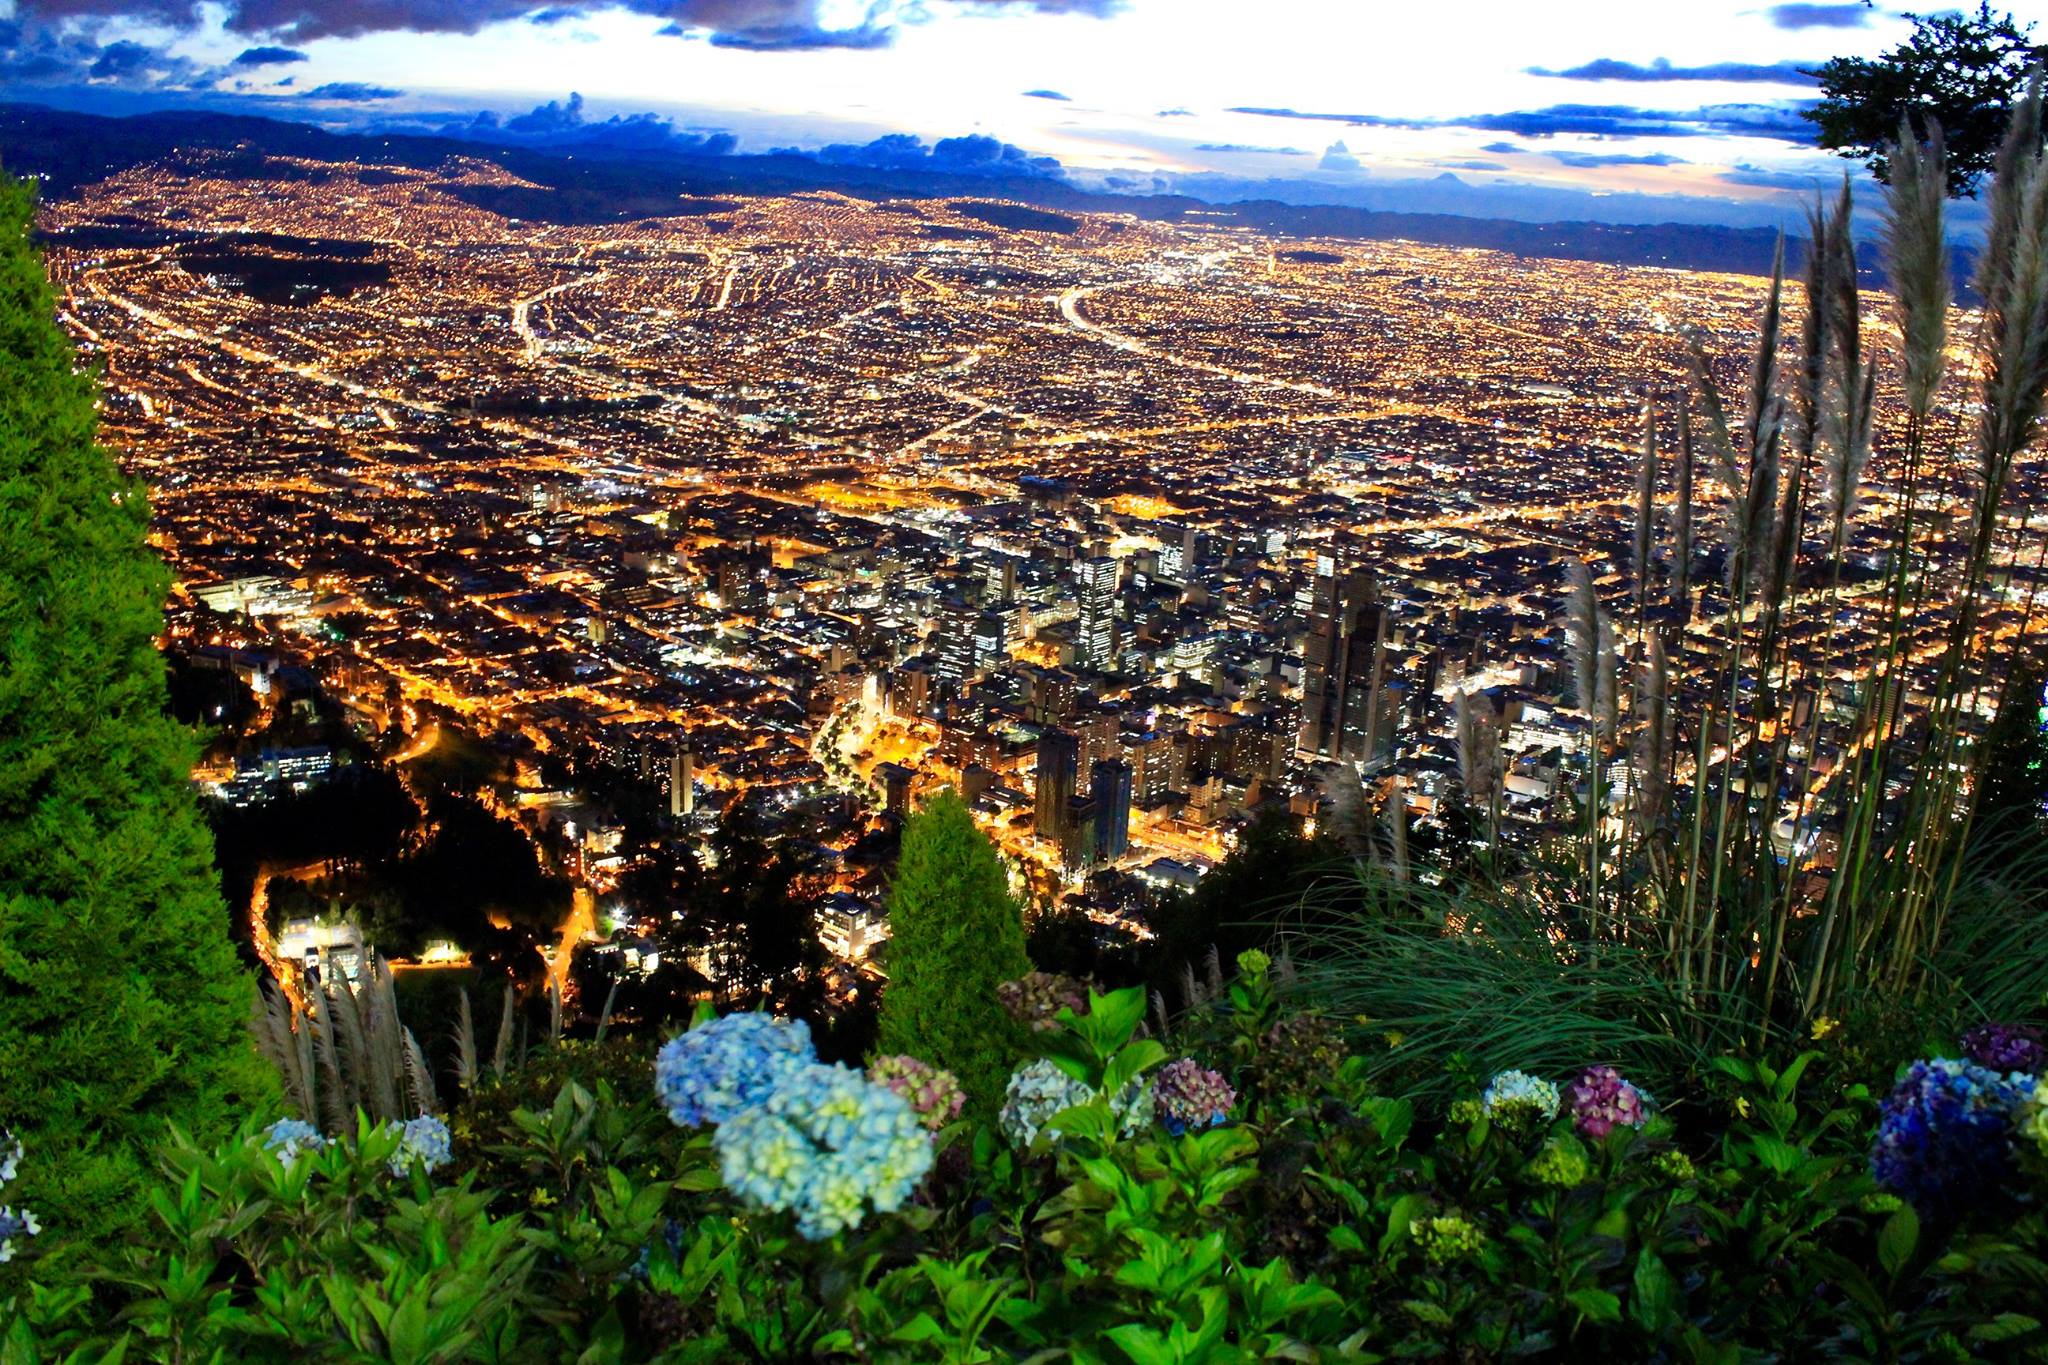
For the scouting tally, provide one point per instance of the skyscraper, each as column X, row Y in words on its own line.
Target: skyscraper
column 682, row 783
column 991, row 640
column 1346, row 628
column 1110, row 793
column 1095, row 636
column 1059, row 764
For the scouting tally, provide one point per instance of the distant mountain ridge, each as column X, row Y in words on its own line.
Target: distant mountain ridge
column 69, row 150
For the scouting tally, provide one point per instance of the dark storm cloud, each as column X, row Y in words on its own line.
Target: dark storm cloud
column 1609, row 69
column 269, row 56
column 1820, row 16
column 760, row 25
column 1780, row 121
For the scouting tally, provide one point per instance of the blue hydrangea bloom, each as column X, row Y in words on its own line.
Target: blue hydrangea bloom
column 425, row 1140
column 726, row 1066
column 288, row 1137
column 827, row 1145
column 16, row 1226
column 1944, row 1141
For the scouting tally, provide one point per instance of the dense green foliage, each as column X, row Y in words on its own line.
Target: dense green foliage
column 122, row 1006
column 1326, row 1220
column 956, row 933
column 1961, row 70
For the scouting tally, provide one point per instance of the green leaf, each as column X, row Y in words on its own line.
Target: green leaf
column 1897, row 1239
column 2004, row 1327
column 1143, row 1345
column 1654, row 1300
column 1597, row 1304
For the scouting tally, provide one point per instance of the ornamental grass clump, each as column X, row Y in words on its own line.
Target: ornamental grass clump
column 725, row 1066
column 827, row 1145
column 1602, row 1101
column 1187, row 1095
column 1945, row 1140
column 935, row 1096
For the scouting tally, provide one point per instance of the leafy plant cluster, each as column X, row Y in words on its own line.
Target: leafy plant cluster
column 1256, row 1210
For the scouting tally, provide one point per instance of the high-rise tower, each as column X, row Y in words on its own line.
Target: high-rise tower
column 1346, row 630
column 1095, row 638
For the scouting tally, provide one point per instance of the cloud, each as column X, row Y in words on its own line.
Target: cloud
column 1853, row 15
column 562, row 124
column 1175, row 113
column 1338, row 157
column 974, row 154
column 1048, row 95
column 1609, row 69
column 1238, row 147
column 269, row 56
column 757, row 25
column 1587, row 161
column 43, row 56
column 351, row 92
column 1504, row 148
column 1475, row 165
column 1780, row 121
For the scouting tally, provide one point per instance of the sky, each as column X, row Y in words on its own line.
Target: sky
column 1624, row 110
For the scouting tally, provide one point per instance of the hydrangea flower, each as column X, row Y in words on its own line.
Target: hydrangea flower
column 1520, row 1102
column 827, row 1145
column 1561, row 1164
column 1945, row 1138
column 425, row 1140
column 10, row 1155
column 935, row 1096
column 1445, row 1240
column 286, row 1138
column 2006, row 1047
column 1035, row 999
column 1189, row 1095
column 728, row 1065
column 2030, row 1125
column 16, row 1226
column 1602, row 1101
column 1039, row 1090
column 1674, row 1165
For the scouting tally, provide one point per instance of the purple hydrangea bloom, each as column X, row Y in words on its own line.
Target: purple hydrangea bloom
column 1602, row 1101
column 2006, row 1047
column 1188, row 1095
column 1945, row 1138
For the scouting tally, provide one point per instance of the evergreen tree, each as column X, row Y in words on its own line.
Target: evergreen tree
column 122, row 1005
column 955, row 934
